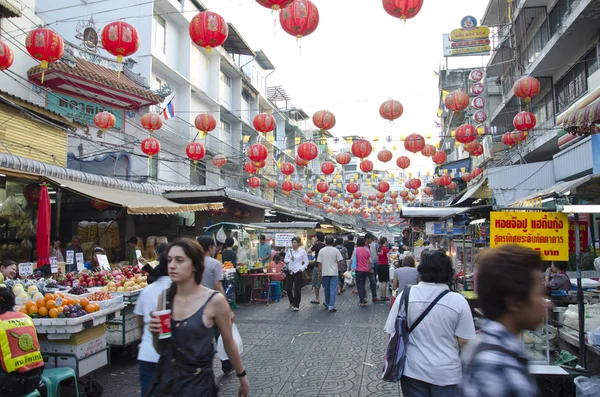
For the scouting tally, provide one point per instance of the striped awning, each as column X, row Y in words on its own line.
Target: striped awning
column 9, row 9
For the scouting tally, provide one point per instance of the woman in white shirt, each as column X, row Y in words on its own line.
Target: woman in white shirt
column 297, row 261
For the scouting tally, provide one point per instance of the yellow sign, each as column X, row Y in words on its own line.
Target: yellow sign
column 471, row 50
column 546, row 232
column 480, row 32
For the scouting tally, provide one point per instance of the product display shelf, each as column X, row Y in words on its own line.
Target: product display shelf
column 63, row 328
column 123, row 330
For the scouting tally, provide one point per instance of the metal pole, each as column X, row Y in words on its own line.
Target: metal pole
column 580, row 305
column 58, row 205
column 592, row 226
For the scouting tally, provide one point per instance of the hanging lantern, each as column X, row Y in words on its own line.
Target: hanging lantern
column 437, row 181
column 384, row 156
column 254, row 182
column 343, row 158
column 219, row 160
column 352, row 187
column 287, row 186
column 457, row 101
column 6, row 56
column 466, row 177
column 445, row 180
column 327, row 168
column 415, row 183
column 99, row 204
column 478, row 151
column 476, row 172
column 380, row 195
column 403, row 9
column 151, row 122
column 274, row 5
column 260, row 164
column 451, row 186
column 439, row 157
column 310, row 194
column 394, row 195
column 121, row 40
column 264, row 122
column 195, row 151
column 300, row 18
column 428, row 151
column 403, row 162
column 524, row 121
column 105, row 120
column 366, row 166
column 428, row 190
column 287, row 168
column 527, row 87
column 466, row 133
column 46, row 46
column 391, row 110
column 250, row 168
column 205, row 122
column 308, row 151
column 272, row 184
column 326, row 199
column 298, row 186
column 371, row 197
column 414, row 191
column 150, row 146
column 507, row 139
column 361, row 148
column 414, row 143
column 208, row 30
column 357, row 196
column 383, row 187
column 324, row 120
column 519, row 136
column 469, row 147
column 404, row 193
column 332, row 193
column 300, row 162
column 258, row 152
column 305, row 199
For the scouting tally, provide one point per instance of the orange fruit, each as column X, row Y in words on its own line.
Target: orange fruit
column 51, row 304
column 42, row 311
column 96, row 307
column 29, row 304
column 24, row 310
column 66, row 301
column 84, row 302
column 48, row 297
column 60, row 309
column 74, row 301
column 33, row 310
column 60, row 294
column 90, row 308
column 41, row 303
column 53, row 313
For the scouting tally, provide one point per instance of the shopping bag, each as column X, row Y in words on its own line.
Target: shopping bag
column 221, row 353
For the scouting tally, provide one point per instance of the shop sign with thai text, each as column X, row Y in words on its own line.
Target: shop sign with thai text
column 583, row 236
column 546, row 232
column 80, row 110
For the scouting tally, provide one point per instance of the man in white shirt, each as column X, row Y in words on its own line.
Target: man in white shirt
column 297, row 261
column 330, row 265
column 213, row 273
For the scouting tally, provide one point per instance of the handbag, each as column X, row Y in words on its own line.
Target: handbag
column 354, row 262
column 221, row 353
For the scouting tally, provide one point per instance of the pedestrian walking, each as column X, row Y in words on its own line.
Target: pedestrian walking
column 330, row 264
column 495, row 364
column 383, row 268
column 405, row 275
column 339, row 244
column 364, row 271
column 297, row 262
column 433, row 367
column 316, row 281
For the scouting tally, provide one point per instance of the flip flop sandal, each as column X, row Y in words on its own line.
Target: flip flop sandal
column 314, row 302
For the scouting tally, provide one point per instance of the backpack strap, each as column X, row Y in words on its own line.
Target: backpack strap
column 404, row 302
column 426, row 312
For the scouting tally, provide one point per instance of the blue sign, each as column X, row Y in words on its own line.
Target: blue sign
column 440, row 229
column 596, row 152
column 79, row 110
column 468, row 22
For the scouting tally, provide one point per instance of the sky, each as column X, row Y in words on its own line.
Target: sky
column 359, row 57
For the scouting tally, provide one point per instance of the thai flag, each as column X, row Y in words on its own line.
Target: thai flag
column 169, row 110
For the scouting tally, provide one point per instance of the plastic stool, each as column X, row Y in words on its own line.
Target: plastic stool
column 275, row 290
column 33, row 394
column 53, row 376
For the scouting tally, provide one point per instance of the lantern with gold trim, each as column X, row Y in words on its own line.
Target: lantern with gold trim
column 208, row 30
column 46, row 46
column 120, row 39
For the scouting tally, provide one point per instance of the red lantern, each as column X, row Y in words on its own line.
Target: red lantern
column 466, row 177
column 451, row 186
column 403, row 162
column 219, row 160
column 428, row 150
column 6, row 56
column 151, row 122
column 326, row 199
column 260, row 164
column 361, row 148
column 439, row 157
column 371, row 197
column 415, row 183
column 305, row 199
column 524, row 121
column 120, row 39
column 457, row 101
column 403, row 9
column 414, row 143
column 311, row 202
column 384, row 156
column 275, row 5
column 445, row 180
column 250, row 168
column 300, row 162
column 357, row 195
column 272, row 184
column 383, row 187
column 205, row 122
column 300, row 18
column 391, row 110
column 478, row 151
column 469, row 147
column 476, row 172
column 310, row 194
column 298, row 186
column 208, row 30
column 343, row 158
column 327, row 168
column 287, row 186
column 527, row 87
column 352, row 187
column 264, row 122
column 507, row 139
column 394, row 195
column 320, row 205
column 379, row 195
column 195, row 151
column 308, row 151
column 105, row 120
column 437, row 181
column 404, row 193
column 414, row 191
column 427, row 190
column 366, row 166
column 332, row 193
column 466, row 133
column 322, row 187
column 519, row 136
column 99, row 204
column 45, row 45
column 324, row 120
column 287, row 168
column 254, row 182
column 258, row 152
column 150, row 146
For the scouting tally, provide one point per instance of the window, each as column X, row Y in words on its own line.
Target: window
column 246, row 97
column 226, row 79
column 160, row 33
column 158, row 83
column 573, row 85
column 153, row 168
column 225, row 127
column 197, row 173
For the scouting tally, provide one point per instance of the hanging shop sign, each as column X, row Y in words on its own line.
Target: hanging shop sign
column 480, row 116
column 476, row 75
column 470, row 39
column 284, row 239
column 583, row 236
column 80, row 110
column 477, row 89
column 546, row 232
column 478, row 102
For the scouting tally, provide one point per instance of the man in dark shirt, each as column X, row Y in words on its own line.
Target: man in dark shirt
column 76, row 248
column 316, row 281
column 228, row 254
column 405, row 245
column 350, row 245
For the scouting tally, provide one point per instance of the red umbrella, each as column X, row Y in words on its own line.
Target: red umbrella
column 43, row 228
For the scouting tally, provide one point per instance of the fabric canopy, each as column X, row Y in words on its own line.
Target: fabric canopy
column 136, row 203
column 582, row 118
column 471, row 191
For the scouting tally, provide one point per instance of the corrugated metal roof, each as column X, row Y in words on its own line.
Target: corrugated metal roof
column 564, row 188
column 8, row 9
column 574, row 160
column 532, row 176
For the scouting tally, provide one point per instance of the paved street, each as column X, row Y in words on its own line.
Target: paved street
column 305, row 353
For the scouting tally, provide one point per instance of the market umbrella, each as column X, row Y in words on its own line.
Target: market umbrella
column 43, row 228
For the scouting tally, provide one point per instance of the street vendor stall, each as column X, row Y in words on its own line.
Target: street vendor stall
column 280, row 234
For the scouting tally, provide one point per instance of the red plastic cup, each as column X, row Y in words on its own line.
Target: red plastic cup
column 165, row 323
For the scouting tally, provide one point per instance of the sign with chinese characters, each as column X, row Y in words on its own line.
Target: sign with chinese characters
column 80, row 110
column 480, row 116
column 583, row 236
column 546, row 232
column 478, row 102
column 470, row 39
column 477, row 89
column 476, row 75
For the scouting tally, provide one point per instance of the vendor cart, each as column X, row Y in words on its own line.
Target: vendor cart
column 123, row 331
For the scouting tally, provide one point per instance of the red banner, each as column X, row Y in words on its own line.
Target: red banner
column 583, row 236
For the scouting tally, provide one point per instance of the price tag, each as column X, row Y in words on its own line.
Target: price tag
column 138, row 254
column 25, row 269
column 103, row 262
column 79, row 261
column 53, row 265
column 70, row 257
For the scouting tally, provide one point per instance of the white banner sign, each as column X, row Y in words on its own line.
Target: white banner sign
column 284, row 239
